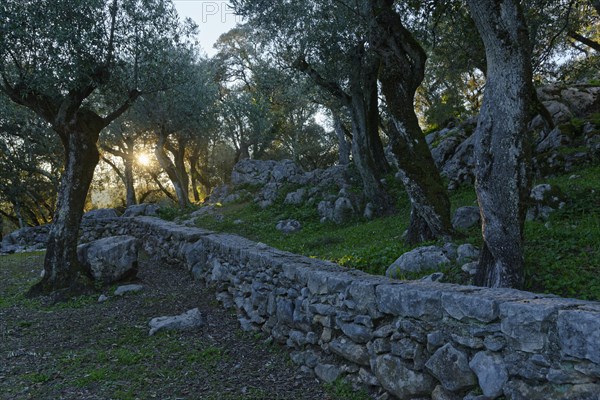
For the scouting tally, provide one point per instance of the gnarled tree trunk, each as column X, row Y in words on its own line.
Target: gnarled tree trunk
column 61, row 268
column 403, row 68
column 342, row 134
column 503, row 147
column 174, row 174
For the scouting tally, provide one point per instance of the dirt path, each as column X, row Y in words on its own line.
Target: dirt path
column 90, row 350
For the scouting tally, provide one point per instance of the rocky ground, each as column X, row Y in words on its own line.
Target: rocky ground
column 90, row 350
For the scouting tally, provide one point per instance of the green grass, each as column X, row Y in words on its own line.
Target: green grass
column 562, row 256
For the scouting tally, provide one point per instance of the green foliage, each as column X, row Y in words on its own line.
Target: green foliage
column 340, row 389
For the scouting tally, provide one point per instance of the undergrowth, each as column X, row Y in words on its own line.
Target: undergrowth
column 562, row 255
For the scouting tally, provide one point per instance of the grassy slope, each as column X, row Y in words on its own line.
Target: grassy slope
column 562, row 254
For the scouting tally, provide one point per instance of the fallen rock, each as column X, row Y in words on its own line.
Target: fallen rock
column 545, row 200
column 466, row 217
column 491, row 373
column 122, row 290
column 289, row 226
column 419, row 259
column 102, row 298
column 327, row 372
column 190, row 320
column 110, row 259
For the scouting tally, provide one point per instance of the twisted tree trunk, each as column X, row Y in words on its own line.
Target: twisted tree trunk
column 403, row 69
column 503, row 146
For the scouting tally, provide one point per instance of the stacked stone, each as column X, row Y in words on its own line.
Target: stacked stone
column 403, row 340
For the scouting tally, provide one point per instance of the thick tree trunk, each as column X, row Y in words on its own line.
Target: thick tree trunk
column 181, row 190
column 403, row 68
column 130, row 197
column 503, row 147
column 367, row 150
column 61, row 268
column 344, row 147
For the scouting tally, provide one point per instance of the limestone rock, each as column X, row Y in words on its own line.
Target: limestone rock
column 295, row 198
column 190, row 320
column 141, row 209
column 466, row 253
column 350, row 351
column 396, row 377
column 122, row 290
column 546, row 199
column 419, row 259
column 491, row 373
column 327, row 372
column 343, row 210
column 579, row 334
column 289, row 226
column 466, row 218
column 519, row 390
column 451, row 367
column 110, row 259
column 101, row 213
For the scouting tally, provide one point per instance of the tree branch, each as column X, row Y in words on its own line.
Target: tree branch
column 582, row 39
column 333, row 88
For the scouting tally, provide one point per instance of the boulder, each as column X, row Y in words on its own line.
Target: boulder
column 101, row 213
column 419, row 259
column 552, row 141
column 295, row 198
column 466, row 217
column 110, row 259
column 289, row 226
column 466, row 253
column 545, row 199
column 144, row 209
column 190, row 320
column 343, row 210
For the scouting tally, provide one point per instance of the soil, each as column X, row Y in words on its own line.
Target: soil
column 84, row 349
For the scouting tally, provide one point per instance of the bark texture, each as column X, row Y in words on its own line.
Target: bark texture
column 503, row 147
column 362, row 104
column 402, row 71
column 175, row 170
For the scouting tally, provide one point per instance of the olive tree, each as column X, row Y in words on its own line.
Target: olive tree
column 503, row 147
column 80, row 64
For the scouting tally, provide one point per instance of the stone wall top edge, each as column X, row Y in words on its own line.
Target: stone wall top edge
column 499, row 295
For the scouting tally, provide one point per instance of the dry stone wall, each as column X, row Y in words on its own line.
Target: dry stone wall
column 406, row 340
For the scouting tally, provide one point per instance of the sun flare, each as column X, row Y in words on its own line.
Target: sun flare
column 144, row 159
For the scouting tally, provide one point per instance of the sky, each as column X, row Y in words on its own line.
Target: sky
column 213, row 18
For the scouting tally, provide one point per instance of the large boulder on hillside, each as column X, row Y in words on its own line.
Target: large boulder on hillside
column 101, row 213
column 144, row 209
column 417, row 260
column 260, row 172
column 110, row 259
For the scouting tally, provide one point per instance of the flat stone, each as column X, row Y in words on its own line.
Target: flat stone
column 579, row 334
column 121, row 290
column 491, row 373
column 418, row 301
column 350, row 351
column 190, row 320
column 110, row 259
column 357, row 333
column 527, row 321
column 520, row 390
